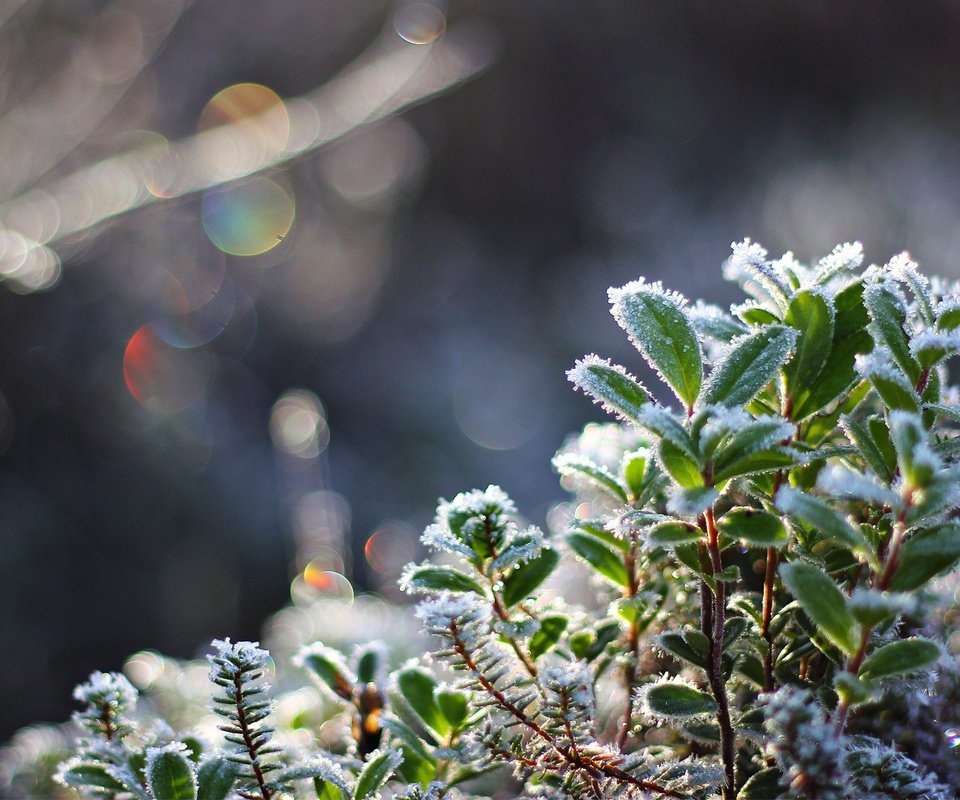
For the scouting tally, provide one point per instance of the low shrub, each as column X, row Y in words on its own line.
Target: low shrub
column 758, row 583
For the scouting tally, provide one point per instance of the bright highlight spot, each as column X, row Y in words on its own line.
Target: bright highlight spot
column 316, row 583
column 952, row 735
column 163, row 378
column 258, row 110
column 143, row 668
column 249, row 218
column 298, row 424
column 419, row 23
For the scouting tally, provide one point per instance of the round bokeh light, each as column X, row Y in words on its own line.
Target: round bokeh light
column 249, row 218
column 258, row 109
column 163, row 378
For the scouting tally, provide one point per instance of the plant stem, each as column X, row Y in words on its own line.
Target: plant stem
column 633, row 646
column 248, row 737
column 594, row 765
column 881, row 583
column 728, row 741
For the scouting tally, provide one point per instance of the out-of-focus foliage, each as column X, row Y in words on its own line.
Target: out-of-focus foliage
column 812, row 441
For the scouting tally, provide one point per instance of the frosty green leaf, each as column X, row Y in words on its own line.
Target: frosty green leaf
column 170, row 774
column 888, row 315
column 752, row 361
column 659, row 327
column 570, row 464
column 678, row 465
column 753, row 527
column 600, row 557
column 431, row 578
column 215, row 779
column 925, row 554
column 610, row 385
column 417, row 685
column 812, row 316
column 674, row 699
column 380, row 765
column 822, row 601
column 524, row 580
column 453, row 704
column 673, row 533
column 900, row 657
column 551, row 629
column 850, row 339
column 828, row 521
column 858, row 434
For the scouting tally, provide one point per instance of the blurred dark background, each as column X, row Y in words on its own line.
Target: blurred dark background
column 190, row 434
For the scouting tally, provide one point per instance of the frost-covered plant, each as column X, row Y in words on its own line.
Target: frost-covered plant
column 765, row 615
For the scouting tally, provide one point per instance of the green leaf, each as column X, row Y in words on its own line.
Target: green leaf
column 432, row 578
column 635, row 471
column 376, row 772
column 871, row 607
column 850, row 339
column 829, row 522
column 881, row 436
column 215, row 779
column 673, row 533
column 674, row 699
column 858, row 434
column 812, row 316
column 369, row 660
column 90, row 775
column 764, row 785
column 411, row 742
column 823, row 602
column 676, row 645
column 551, row 629
column 611, row 386
column 756, row 435
column 898, row 658
column 568, row 464
column 524, row 579
column 679, row 466
column 170, row 775
column 328, row 790
column 891, row 384
column 733, row 629
column 909, row 435
column 660, row 329
column 751, row 363
column 595, row 529
column 668, row 427
column 753, row 527
column 850, row 689
column 948, row 316
column 689, row 502
column 453, row 704
column 729, row 574
column 774, row 458
column 925, row 554
column 327, row 665
column 888, row 315
column 417, row 685
column 600, row 557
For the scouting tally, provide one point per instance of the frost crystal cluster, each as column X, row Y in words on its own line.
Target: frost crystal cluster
column 762, row 552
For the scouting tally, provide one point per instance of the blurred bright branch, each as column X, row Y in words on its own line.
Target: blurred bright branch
column 389, row 76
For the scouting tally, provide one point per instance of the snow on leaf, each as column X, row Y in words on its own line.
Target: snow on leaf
column 610, row 386
column 657, row 324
